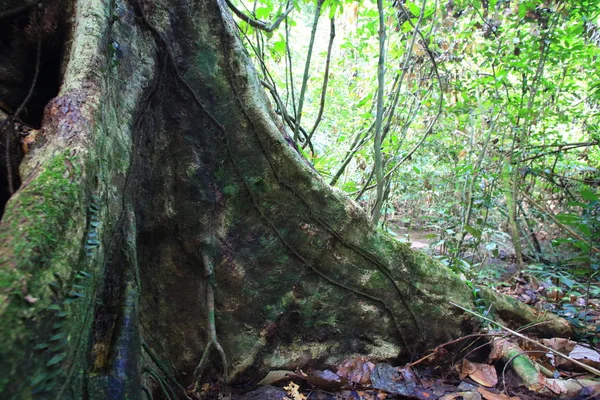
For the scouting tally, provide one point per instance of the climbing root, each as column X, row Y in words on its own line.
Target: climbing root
column 212, row 330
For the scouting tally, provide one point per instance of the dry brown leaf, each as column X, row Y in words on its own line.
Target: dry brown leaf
column 562, row 345
column 554, row 386
column 464, row 395
column 325, row 380
column 483, row 374
column 586, row 355
column 276, row 376
column 451, row 396
column 465, row 369
column 357, row 370
column 494, row 396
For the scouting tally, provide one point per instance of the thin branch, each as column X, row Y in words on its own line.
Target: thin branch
column 287, row 118
column 440, row 103
column 325, row 80
column 589, row 143
column 356, row 145
column 272, row 87
column 378, row 166
column 289, row 65
column 562, row 148
column 307, row 67
column 213, row 341
column 263, row 26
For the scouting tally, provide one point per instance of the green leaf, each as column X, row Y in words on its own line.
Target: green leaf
column 263, row 12
column 56, row 359
column 57, row 336
column 476, row 233
column 414, row 9
column 589, row 195
column 364, row 100
column 38, row 378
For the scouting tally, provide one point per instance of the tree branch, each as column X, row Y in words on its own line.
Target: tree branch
column 325, row 80
column 307, row 67
column 263, row 26
column 562, row 148
column 378, row 164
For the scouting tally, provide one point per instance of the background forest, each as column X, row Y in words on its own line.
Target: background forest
column 469, row 128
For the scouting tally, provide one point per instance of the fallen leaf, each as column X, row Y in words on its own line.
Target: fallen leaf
column 586, row 355
column 325, row 380
column 357, row 370
column 465, row 368
column 562, row 345
column 451, row 396
column 554, row 386
column 385, row 377
column 464, row 395
column 483, row 374
column 494, row 396
column 276, row 376
column 408, row 374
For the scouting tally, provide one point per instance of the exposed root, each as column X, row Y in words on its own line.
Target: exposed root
column 158, row 363
column 164, row 386
column 212, row 329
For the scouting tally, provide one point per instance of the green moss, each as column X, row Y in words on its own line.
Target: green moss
column 231, row 189
column 32, row 239
column 377, row 281
column 206, row 60
column 272, row 312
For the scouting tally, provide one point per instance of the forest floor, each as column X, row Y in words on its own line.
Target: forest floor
column 470, row 368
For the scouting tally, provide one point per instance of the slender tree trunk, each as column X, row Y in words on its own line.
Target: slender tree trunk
column 158, row 155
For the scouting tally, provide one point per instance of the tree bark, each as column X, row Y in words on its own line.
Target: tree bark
column 160, row 149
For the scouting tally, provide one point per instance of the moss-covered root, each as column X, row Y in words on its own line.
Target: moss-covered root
column 521, row 364
column 510, row 312
column 531, row 376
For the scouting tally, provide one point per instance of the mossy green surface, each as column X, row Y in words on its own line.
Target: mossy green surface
column 37, row 262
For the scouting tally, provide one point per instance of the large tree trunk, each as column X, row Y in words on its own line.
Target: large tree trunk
column 159, row 157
